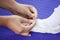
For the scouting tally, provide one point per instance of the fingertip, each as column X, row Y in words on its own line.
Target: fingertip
column 29, row 35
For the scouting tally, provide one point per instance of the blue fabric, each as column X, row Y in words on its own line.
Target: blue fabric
column 45, row 9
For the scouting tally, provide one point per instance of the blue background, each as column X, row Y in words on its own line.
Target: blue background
column 45, row 9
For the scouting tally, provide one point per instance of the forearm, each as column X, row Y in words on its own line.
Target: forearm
column 7, row 4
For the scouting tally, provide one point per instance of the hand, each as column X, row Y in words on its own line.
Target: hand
column 27, row 11
column 14, row 23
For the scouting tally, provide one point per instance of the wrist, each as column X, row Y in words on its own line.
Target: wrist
column 3, row 20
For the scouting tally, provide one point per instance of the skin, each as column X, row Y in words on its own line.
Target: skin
column 13, row 22
column 26, row 13
column 19, row 9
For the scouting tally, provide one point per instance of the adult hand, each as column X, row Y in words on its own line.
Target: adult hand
column 27, row 11
column 14, row 23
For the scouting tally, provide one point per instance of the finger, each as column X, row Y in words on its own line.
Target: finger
column 29, row 27
column 33, row 10
column 26, row 34
column 29, row 14
column 33, row 23
column 24, row 20
column 26, row 10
